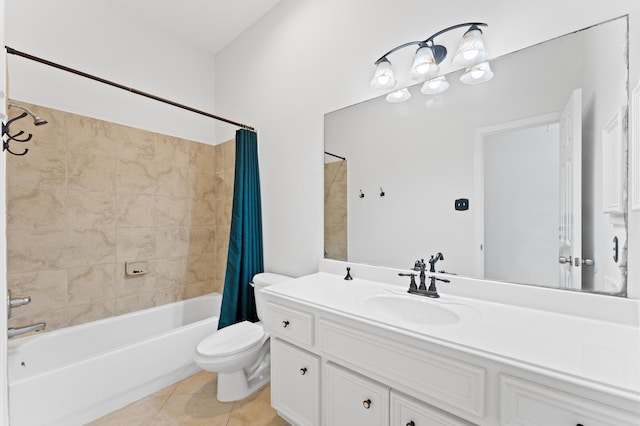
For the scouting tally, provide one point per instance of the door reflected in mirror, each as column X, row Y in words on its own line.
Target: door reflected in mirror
column 526, row 149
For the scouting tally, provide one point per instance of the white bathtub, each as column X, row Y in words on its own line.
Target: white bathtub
column 77, row 374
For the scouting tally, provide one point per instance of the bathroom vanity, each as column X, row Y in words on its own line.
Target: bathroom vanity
column 365, row 352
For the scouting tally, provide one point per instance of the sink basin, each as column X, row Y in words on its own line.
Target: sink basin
column 411, row 309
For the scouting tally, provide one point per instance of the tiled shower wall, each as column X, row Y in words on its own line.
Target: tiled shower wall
column 335, row 210
column 91, row 195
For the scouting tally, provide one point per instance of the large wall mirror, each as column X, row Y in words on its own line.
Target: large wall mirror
column 539, row 152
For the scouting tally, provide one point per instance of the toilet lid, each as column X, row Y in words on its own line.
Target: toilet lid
column 231, row 339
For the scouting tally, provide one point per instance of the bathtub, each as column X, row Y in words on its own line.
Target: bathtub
column 77, row 374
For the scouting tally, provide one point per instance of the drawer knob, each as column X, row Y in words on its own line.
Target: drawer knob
column 411, row 423
column 285, row 323
column 303, row 371
column 366, row 403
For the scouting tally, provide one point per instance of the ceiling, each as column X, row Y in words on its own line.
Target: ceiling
column 208, row 24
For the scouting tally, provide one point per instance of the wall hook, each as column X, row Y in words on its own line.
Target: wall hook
column 361, row 194
column 382, row 194
column 10, row 137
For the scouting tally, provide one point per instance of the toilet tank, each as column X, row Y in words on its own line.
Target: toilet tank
column 262, row 280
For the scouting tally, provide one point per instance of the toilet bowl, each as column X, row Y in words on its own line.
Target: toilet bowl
column 239, row 353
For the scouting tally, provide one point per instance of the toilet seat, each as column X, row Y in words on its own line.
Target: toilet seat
column 231, row 340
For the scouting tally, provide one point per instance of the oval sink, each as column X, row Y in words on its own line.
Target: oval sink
column 410, row 309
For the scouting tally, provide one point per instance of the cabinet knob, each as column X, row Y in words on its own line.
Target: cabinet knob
column 366, row 403
column 411, row 423
column 285, row 323
column 303, row 371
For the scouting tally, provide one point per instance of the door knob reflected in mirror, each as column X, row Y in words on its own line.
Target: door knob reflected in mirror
column 564, row 260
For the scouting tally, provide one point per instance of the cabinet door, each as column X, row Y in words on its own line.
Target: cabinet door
column 406, row 411
column 351, row 399
column 524, row 403
column 295, row 383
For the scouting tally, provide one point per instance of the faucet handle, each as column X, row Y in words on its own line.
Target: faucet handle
column 412, row 284
column 15, row 302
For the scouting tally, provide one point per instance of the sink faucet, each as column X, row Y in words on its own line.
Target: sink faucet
column 433, row 261
column 419, row 265
column 13, row 332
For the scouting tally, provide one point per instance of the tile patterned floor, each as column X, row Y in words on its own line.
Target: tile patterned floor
column 193, row 402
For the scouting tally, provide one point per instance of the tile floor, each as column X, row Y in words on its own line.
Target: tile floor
column 193, row 402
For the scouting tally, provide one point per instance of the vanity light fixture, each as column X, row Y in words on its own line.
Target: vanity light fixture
column 429, row 55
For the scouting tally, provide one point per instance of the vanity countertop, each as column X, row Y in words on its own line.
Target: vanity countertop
column 604, row 355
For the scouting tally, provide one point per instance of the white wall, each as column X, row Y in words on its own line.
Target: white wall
column 307, row 58
column 95, row 38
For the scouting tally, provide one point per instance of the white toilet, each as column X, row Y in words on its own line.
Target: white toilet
column 239, row 353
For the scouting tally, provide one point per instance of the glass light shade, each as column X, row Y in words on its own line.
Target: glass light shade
column 477, row 74
column 399, row 95
column 471, row 50
column 435, row 86
column 383, row 77
column 424, row 64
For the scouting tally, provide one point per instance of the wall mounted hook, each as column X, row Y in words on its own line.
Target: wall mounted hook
column 14, row 138
column 382, row 194
column 361, row 194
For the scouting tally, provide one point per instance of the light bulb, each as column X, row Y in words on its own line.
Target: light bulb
column 424, row 64
column 435, row 86
column 398, row 96
column 477, row 74
column 383, row 78
column 471, row 50
column 470, row 54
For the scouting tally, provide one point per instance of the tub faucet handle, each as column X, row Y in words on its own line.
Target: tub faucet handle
column 15, row 303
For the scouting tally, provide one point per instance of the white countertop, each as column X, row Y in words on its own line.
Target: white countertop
column 605, row 354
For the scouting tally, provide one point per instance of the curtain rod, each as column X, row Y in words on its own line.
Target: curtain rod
column 333, row 155
column 120, row 86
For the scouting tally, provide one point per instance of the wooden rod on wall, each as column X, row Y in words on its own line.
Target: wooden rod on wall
column 123, row 87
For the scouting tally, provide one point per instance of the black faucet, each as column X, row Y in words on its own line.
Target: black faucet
column 433, row 261
column 419, row 265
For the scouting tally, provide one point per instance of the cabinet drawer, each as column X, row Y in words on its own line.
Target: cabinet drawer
column 406, row 411
column 290, row 324
column 446, row 382
column 351, row 399
column 527, row 403
column 295, row 383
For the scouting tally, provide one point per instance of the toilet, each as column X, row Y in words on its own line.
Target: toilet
column 239, row 353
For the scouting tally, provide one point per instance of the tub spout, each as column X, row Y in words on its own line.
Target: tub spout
column 13, row 332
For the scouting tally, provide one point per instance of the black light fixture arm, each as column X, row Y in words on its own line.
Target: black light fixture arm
column 430, row 39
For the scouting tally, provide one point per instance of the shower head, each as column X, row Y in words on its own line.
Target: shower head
column 37, row 121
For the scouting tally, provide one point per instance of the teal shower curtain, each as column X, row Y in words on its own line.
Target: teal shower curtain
column 244, row 258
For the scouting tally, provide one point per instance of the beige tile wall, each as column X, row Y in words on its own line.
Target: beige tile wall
column 91, row 195
column 335, row 210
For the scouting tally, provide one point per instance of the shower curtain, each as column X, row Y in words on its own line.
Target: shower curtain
column 244, row 258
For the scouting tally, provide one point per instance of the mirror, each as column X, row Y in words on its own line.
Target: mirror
column 521, row 179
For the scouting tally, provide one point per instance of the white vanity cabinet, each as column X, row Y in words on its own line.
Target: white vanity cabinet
column 406, row 411
column 295, row 384
column 526, row 403
column 334, row 365
column 352, row 399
